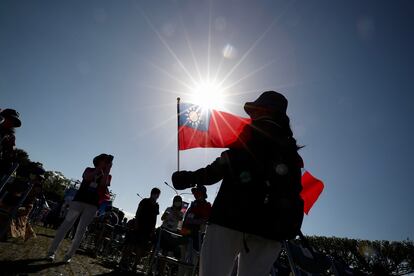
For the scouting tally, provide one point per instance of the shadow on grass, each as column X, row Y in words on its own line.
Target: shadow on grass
column 25, row 266
column 45, row 235
column 106, row 264
column 116, row 272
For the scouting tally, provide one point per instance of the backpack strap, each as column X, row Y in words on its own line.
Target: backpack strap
column 305, row 242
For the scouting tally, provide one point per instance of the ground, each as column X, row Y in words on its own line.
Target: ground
column 27, row 258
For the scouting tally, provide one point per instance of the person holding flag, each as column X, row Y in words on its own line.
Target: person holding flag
column 259, row 202
column 84, row 205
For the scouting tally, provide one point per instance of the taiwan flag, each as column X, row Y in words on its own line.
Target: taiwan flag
column 207, row 128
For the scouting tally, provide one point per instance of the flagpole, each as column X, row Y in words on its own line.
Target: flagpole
column 178, row 133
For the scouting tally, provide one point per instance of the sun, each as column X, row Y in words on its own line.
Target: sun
column 208, row 94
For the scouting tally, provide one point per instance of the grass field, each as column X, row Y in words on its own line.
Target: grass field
column 27, row 258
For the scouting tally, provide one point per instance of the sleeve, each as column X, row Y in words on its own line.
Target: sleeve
column 140, row 209
column 88, row 174
column 165, row 214
column 214, row 172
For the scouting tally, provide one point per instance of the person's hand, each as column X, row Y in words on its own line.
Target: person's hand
column 183, row 179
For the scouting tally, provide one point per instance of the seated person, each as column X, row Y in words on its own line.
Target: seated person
column 173, row 216
column 171, row 221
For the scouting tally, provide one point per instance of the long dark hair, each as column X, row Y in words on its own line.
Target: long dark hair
column 284, row 121
column 274, row 131
column 177, row 198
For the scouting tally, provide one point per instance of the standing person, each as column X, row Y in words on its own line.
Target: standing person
column 142, row 231
column 9, row 120
column 84, row 205
column 258, row 203
column 172, row 220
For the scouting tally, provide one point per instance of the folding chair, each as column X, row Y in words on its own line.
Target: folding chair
column 304, row 260
column 104, row 238
column 157, row 256
column 279, row 269
column 340, row 268
column 4, row 179
column 88, row 242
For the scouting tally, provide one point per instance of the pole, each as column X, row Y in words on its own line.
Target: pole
column 171, row 187
column 178, row 133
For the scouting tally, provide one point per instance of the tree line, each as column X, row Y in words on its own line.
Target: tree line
column 371, row 257
column 55, row 182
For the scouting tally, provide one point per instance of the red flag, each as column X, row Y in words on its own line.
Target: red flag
column 311, row 189
column 204, row 128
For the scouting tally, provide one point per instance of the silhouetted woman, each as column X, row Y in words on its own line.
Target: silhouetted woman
column 258, row 203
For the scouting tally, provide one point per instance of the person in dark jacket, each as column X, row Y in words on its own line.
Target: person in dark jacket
column 9, row 119
column 196, row 217
column 84, row 205
column 142, row 231
column 259, row 196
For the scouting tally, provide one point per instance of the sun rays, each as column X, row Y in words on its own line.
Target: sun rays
column 214, row 89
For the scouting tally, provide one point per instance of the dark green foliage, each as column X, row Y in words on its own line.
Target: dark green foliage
column 372, row 257
column 55, row 182
column 54, row 185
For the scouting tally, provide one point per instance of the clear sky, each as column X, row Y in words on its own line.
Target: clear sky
column 103, row 76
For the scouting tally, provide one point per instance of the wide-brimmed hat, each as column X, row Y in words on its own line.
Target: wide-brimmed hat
column 269, row 100
column 102, row 156
column 200, row 189
column 12, row 115
column 37, row 169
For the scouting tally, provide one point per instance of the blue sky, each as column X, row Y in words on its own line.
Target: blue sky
column 103, row 76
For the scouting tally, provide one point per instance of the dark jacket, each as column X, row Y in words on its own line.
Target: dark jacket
column 87, row 192
column 197, row 214
column 7, row 152
column 146, row 216
column 240, row 202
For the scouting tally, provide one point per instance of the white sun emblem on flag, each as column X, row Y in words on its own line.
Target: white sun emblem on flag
column 193, row 116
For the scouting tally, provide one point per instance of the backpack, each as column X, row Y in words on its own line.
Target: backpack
column 282, row 203
column 275, row 186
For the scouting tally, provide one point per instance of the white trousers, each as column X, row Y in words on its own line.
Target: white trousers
column 87, row 213
column 222, row 245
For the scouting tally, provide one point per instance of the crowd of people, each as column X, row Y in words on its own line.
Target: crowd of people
column 258, row 204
